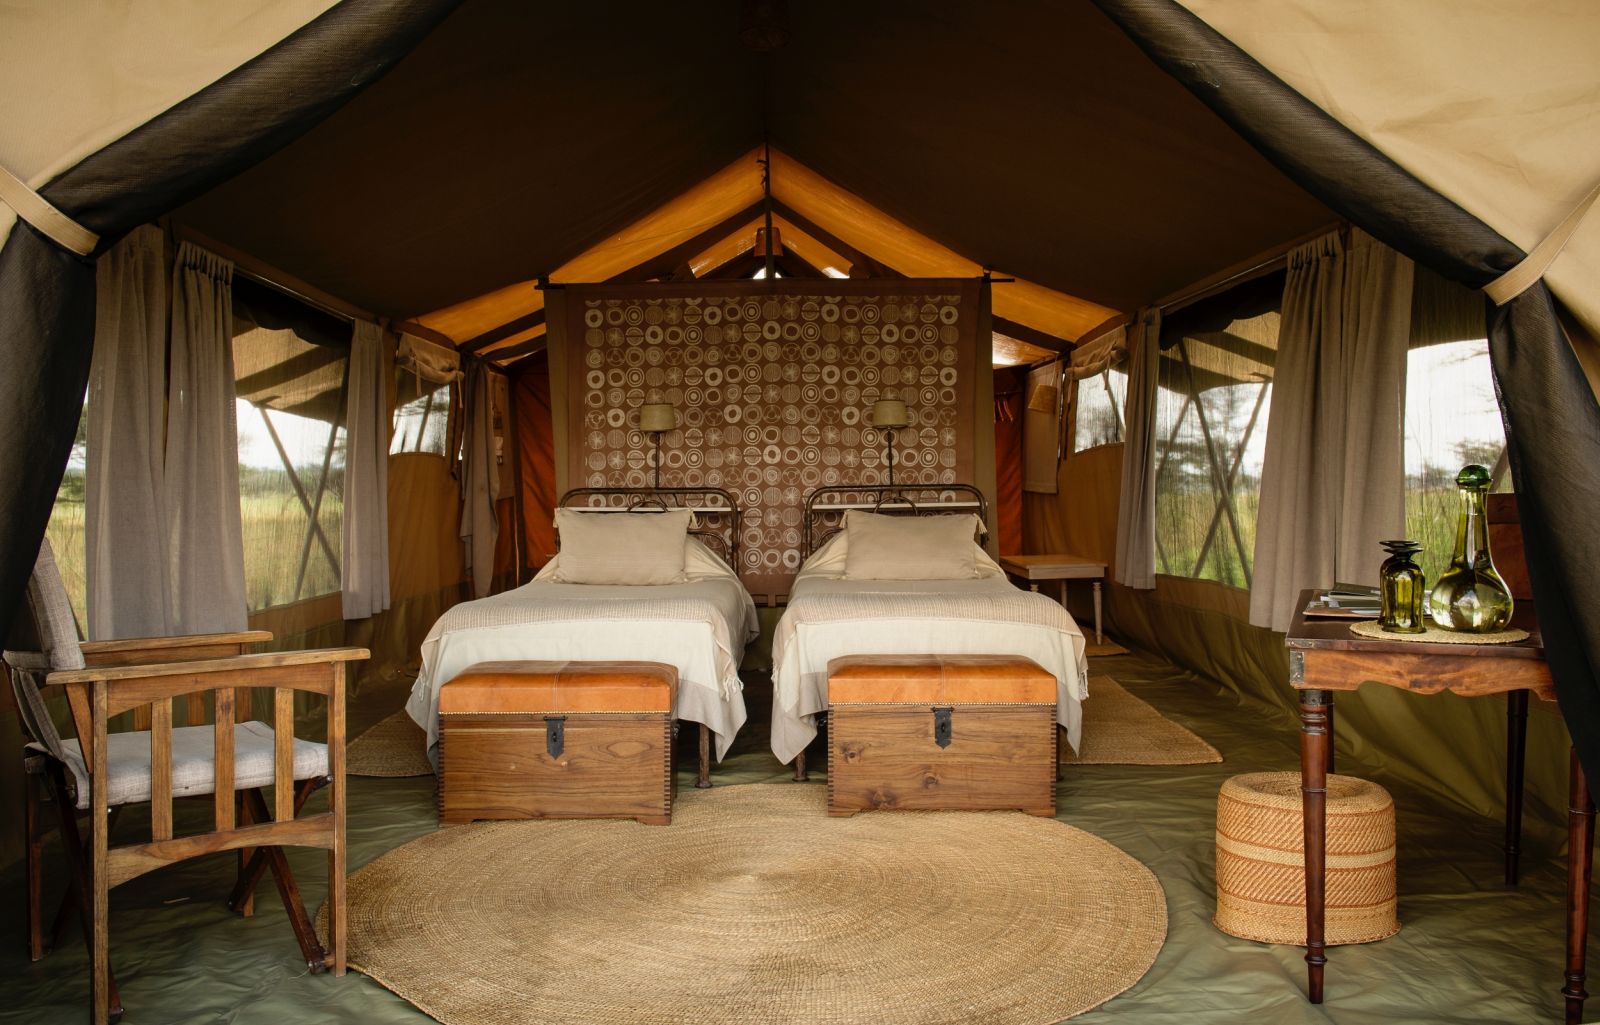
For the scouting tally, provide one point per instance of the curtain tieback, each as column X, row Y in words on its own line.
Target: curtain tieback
column 37, row 211
column 1521, row 277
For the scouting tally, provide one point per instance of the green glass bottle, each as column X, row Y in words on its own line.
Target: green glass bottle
column 1402, row 586
column 1470, row 596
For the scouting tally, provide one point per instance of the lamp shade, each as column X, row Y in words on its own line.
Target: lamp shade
column 890, row 413
column 657, row 416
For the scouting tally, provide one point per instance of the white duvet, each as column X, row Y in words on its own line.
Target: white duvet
column 700, row 626
column 981, row 616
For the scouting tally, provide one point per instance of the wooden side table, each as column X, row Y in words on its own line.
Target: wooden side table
column 1062, row 567
column 1324, row 656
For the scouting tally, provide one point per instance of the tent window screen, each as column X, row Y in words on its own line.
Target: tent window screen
column 291, row 379
column 66, row 529
column 1452, row 416
column 1101, row 398
column 421, row 416
column 1215, row 392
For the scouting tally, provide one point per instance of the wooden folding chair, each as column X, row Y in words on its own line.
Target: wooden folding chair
column 228, row 760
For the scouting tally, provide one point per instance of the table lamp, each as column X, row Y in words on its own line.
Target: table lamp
column 656, row 419
column 887, row 416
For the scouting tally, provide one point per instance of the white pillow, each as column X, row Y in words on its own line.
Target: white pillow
column 910, row 547
column 621, row 548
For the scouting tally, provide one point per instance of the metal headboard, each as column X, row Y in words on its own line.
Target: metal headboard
column 825, row 507
column 716, row 512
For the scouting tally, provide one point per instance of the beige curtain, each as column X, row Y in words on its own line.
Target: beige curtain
column 365, row 524
column 480, row 481
column 1377, row 335
column 1333, row 480
column 1041, row 428
column 124, row 503
column 205, row 546
column 1136, row 526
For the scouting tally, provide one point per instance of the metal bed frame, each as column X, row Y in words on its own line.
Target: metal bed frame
column 825, row 518
column 717, row 523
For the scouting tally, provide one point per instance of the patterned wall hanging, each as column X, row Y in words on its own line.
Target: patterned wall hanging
column 774, row 384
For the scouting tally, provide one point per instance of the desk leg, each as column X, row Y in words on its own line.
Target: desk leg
column 1516, row 744
column 1315, row 748
column 1580, row 859
column 1099, row 635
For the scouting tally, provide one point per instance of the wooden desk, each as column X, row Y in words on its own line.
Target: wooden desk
column 1034, row 568
column 1324, row 656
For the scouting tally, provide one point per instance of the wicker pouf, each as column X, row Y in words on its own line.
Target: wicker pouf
column 1261, row 881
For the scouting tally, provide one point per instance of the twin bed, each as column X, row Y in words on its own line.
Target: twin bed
column 887, row 571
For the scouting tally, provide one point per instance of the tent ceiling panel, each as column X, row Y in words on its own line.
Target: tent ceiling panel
column 1516, row 142
column 1033, row 137
column 65, row 100
column 581, row 140
column 513, row 137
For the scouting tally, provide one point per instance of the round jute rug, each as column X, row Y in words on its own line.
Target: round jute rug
column 755, row 907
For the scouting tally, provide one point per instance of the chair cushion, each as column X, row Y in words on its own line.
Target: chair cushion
column 513, row 687
column 939, row 679
column 128, row 757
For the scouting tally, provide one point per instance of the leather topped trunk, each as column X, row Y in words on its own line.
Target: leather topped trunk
column 534, row 740
column 941, row 732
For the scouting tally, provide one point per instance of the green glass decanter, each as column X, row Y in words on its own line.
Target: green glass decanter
column 1402, row 586
column 1470, row 596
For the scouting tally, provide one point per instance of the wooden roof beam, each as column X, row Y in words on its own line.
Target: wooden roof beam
column 664, row 264
column 833, row 242
column 501, row 333
column 1033, row 336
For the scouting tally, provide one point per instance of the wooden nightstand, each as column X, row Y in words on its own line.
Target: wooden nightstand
column 1034, row 568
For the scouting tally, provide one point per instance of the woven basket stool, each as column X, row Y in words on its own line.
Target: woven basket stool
column 1261, row 880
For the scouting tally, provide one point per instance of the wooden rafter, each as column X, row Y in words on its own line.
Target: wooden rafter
column 833, row 242
column 511, row 353
column 1032, row 336
column 502, row 332
column 665, row 263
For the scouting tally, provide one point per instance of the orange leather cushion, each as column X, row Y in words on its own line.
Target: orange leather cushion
column 939, row 679
column 561, row 687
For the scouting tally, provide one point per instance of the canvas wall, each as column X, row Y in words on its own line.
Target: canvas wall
column 774, row 382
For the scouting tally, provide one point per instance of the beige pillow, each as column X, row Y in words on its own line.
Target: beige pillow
column 621, row 548
column 910, row 547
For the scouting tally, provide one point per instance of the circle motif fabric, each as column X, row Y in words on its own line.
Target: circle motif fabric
column 790, row 362
column 754, row 906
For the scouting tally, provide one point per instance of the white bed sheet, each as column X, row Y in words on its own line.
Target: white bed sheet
column 709, row 692
column 800, row 680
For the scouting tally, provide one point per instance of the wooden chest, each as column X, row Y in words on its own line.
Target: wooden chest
column 534, row 740
column 941, row 732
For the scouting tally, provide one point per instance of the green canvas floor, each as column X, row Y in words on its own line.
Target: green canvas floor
column 1470, row 950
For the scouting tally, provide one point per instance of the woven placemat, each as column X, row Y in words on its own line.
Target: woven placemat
column 754, row 906
column 393, row 748
column 1120, row 729
column 1434, row 635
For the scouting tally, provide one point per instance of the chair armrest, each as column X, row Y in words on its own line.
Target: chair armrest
column 234, row 664
column 159, row 648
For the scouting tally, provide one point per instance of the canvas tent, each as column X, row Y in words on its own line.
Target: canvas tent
column 428, row 165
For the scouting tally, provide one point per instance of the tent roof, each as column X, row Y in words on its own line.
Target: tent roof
column 523, row 140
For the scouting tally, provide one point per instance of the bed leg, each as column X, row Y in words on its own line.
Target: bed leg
column 703, row 781
column 800, row 768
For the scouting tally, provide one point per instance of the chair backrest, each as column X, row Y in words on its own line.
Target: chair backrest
column 46, row 640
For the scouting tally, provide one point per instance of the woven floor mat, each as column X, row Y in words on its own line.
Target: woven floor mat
column 393, row 748
column 754, row 906
column 1120, row 729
